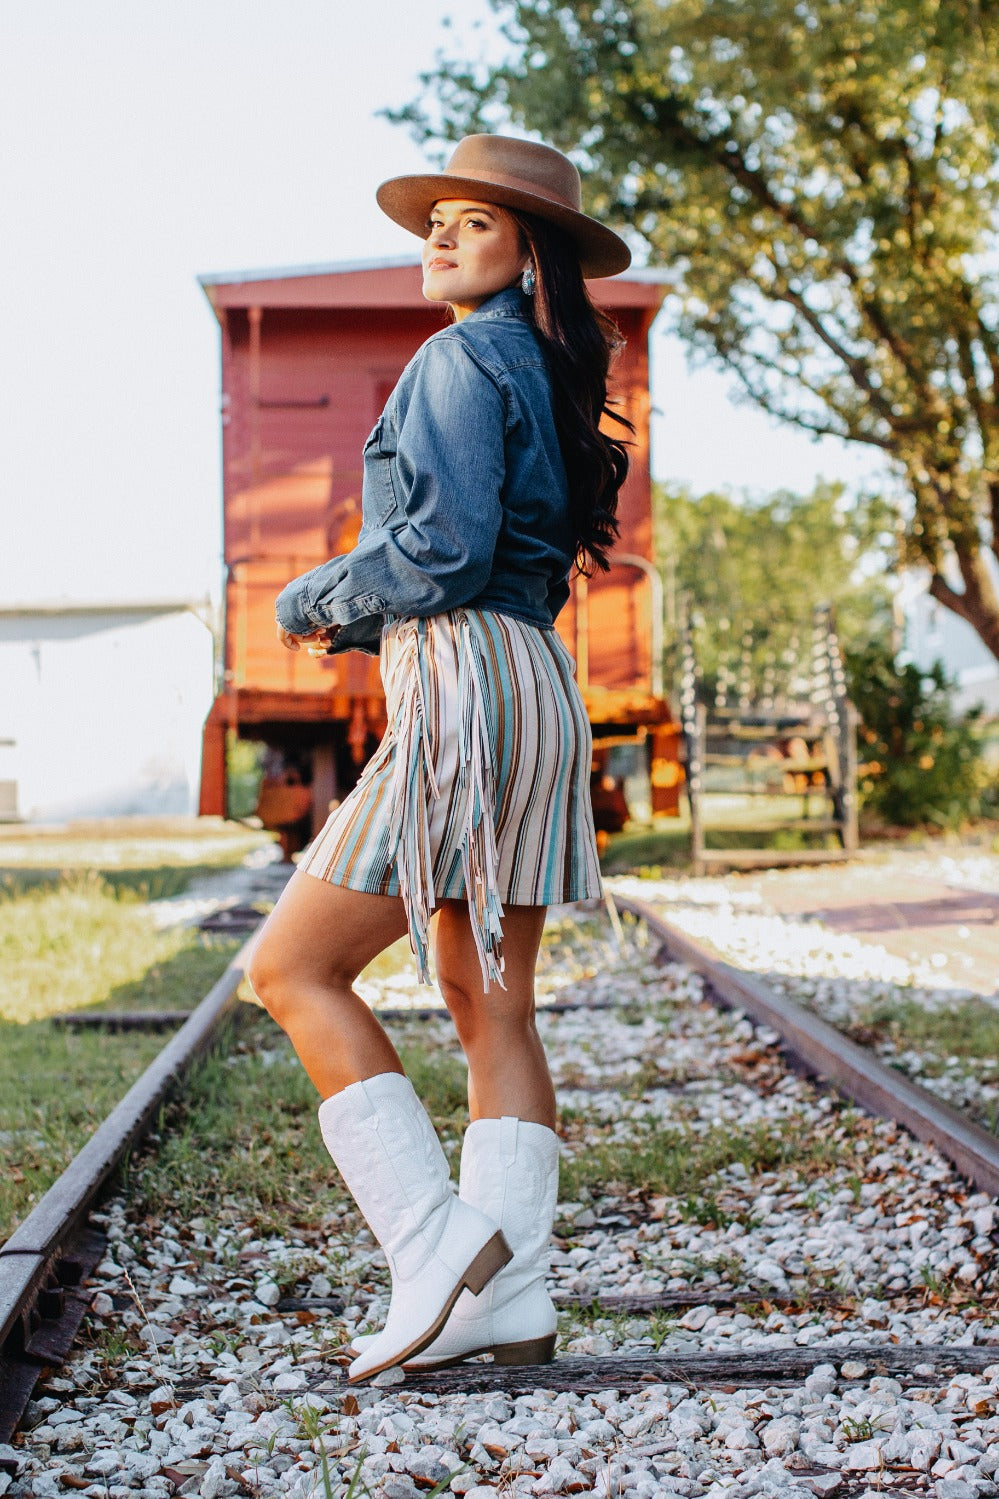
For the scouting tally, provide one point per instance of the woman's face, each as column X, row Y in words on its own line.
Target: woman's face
column 472, row 250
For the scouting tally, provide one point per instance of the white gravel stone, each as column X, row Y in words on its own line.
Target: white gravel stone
column 874, row 1218
column 823, row 1484
column 560, row 1477
column 216, row 1481
column 697, row 1317
column 781, row 1435
column 861, row 1457
column 181, row 1285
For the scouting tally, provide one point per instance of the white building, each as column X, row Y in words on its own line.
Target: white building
column 933, row 633
column 102, row 707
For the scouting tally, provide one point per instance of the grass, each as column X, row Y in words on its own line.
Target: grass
column 243, row 1132
column 86, row 939
column 143, row 881
column 83, row 937
column 959, row 1040
column 57, row 1084
column 666, row 845
column 657, row 1325
column 81, row 942
column 128, row 844
column 677, row 1162
column 55, row 1088
column 962, row 1028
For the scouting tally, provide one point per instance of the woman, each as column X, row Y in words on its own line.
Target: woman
column 485, row 479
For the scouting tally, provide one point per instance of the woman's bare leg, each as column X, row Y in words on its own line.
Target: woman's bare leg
column 507, row 1068
column 314, row 944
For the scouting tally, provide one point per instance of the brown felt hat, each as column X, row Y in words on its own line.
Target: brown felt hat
column 515, row 174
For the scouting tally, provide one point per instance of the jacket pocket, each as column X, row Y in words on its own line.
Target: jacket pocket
column 378, row 498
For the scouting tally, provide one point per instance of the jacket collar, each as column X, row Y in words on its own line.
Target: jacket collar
column 508, row 303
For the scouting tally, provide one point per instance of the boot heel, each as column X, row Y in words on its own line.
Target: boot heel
column 530, row 1351
column 490, row 1258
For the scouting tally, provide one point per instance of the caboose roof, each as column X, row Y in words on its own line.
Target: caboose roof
column 392, row 282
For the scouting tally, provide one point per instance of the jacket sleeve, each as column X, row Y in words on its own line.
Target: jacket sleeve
column 450, row 469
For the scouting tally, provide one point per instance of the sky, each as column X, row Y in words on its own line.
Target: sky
column 147, row 142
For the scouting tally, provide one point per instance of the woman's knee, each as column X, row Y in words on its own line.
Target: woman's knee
column 316, row 941
column 458, row 1000
column 490, row 1017
column 268, row 976
column 284, row 984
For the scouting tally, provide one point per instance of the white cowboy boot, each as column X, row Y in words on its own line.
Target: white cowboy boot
column 387, row 1152
column 509, row 1170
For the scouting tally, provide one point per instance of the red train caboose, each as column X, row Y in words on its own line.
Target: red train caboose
column 309, row 357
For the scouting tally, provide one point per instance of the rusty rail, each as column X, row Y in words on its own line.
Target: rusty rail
column 827, row 1053
column 39, row 1263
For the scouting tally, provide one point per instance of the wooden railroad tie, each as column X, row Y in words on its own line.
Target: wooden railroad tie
column 749, row 1367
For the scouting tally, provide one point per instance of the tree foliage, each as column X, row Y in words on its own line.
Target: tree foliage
column 919, row 762
column 820, row 177
column 751, row 574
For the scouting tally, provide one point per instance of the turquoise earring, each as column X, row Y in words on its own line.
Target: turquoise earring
column 528, row 282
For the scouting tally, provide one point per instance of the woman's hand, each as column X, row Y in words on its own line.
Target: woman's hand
column 317, row 642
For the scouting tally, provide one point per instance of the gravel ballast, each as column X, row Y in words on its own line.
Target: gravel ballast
column 818, row 1225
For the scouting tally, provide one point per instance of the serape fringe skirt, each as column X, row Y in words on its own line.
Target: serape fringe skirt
column 480, row 788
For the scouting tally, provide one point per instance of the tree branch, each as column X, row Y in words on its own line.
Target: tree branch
column 816, row 429
column 973, row 396
column 980, row 595
column 719, row 149
column 985, row 336
column 854, row 365
column 941, row 590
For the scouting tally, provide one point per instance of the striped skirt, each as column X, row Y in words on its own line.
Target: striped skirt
column 480, row 788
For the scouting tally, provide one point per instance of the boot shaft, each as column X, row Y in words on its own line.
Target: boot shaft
column 509, row 1170
column 385, row 1148
column 438, row 1247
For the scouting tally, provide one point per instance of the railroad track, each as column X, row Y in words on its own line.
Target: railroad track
column 48, row 1256
column 44, row 1265
column 826, row 1053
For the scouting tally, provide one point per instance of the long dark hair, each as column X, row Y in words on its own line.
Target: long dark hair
column 579, row 341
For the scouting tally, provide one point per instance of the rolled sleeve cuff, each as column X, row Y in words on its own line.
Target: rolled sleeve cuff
column 310, row 603
column 290, row 613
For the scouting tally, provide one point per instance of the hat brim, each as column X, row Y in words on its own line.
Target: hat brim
column 408, row 201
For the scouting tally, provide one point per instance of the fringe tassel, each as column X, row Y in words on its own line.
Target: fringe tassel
column 413, row 785
column 415, row 789
column 476, row 780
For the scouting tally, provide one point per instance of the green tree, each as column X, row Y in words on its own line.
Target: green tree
column 919, row 762
column 820, row 177
column 752, row 573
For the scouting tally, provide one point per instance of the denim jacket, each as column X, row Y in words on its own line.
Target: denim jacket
column 464, row 499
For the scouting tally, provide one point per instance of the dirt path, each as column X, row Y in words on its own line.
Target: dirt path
column 917, row 907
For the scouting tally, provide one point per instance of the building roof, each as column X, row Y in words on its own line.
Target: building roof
column 202, row 607
column 324, row 268
column 390, row 282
